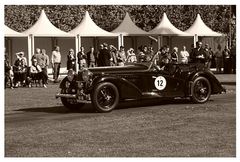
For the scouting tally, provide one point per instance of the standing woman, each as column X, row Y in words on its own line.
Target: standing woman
column 121, row 56
column 71, row 60
column 174, row 55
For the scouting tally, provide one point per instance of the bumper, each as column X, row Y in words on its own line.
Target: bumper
column 66, row 95
column 73, row 96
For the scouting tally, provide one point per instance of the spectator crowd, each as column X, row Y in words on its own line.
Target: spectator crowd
column 19, row 74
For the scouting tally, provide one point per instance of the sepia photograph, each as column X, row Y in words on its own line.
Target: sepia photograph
column 104, row 80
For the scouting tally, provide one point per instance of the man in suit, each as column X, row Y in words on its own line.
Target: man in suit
column 198, row 54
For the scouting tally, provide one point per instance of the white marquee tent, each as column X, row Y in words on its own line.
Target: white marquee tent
column 87, row 28
column 166, row 28
column 8, row 32
column 128, row 28
column 42, row 28
column 14, row 42
column 199, row 28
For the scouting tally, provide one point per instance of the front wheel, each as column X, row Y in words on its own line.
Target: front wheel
column 105, row 97
column 200, row 90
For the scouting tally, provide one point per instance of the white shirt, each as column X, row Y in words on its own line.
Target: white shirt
column 56, row 57
column 183, row 56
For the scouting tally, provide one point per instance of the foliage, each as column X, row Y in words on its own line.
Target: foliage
column 108, row 17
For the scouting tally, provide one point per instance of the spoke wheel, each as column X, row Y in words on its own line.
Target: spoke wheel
column 201, row 90
column 105, row 97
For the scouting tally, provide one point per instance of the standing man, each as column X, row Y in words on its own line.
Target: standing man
column 227, row 60
column 44, row 65
column 218, row 60
column 56, row 62
column 183, row 56
column 82, row 63
column 91, row 57
column 98, row 58
column 37, row 55
column 233, row 54
column 208, row 56
column 104, row 56
column 198, row 54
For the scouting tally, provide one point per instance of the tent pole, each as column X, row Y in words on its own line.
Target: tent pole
column 78, row 45
column 195, row 39
column 120, row 41
column 76, row 51
column 30, row 48
column 159, row 41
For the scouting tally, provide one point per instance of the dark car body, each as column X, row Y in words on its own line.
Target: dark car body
column 138, row 81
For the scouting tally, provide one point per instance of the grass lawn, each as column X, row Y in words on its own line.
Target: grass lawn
column 37, row 125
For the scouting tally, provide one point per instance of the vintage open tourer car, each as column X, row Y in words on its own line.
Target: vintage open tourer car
column 105, row 87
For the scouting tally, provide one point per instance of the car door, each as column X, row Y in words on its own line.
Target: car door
column 163, row 83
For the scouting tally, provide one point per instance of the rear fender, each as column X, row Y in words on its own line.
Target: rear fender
column 127, row 90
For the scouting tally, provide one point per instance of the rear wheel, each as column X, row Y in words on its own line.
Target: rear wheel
column 200, row 90
column 105, row 97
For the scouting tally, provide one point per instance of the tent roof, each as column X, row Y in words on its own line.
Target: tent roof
column 127, row 27
column 88, row 28
column 165, row 27
column 8, row 32
column 201, row 29
column 43, row 27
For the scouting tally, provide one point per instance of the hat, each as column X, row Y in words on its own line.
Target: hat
column 105, row 44
column 34, row 60
column 20, row 53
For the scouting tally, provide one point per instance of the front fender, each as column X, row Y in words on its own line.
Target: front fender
column 215, row 84
column 62, row 83
column 127, row 90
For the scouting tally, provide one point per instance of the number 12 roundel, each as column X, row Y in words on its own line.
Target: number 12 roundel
column 160, row 83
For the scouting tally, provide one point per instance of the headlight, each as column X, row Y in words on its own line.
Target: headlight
column 70, row 75
column 86, row 75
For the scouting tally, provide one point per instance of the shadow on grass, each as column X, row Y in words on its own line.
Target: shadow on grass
column 88, row 108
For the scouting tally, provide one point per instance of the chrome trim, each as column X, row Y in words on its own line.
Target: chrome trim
column 153, row 94
column 66, row 95
column 72, row 96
